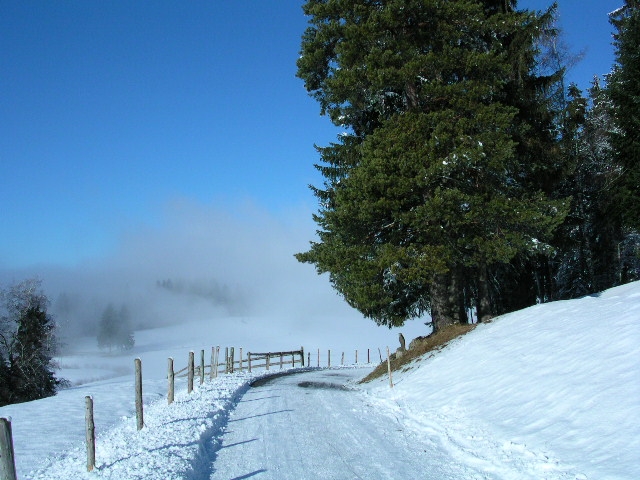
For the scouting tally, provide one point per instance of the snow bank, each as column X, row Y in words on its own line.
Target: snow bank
column 178, row 440
column 554, row 388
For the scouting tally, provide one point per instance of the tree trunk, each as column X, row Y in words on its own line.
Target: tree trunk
column 483, row 305
column 447, row 300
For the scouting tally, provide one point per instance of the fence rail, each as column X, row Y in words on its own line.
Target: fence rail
column 230, row 365
column 267, row 356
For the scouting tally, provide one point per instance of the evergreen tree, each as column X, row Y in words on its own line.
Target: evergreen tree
column 114, row 329
column 126, row 340
column 437, row 182
column 574, row 260
column 27, row 345
column 624, row 91
column 599, row 178
column 588, row 239
column 594, row 252
column 108, row 328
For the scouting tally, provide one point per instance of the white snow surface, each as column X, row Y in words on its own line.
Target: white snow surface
column 549, row 392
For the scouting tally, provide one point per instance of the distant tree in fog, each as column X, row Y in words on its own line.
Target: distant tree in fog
column 210, row 290
column 114, row 330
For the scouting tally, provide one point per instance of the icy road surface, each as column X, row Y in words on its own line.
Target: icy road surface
column 318, row 425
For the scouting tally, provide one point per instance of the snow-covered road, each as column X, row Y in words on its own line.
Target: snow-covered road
column 313, row 425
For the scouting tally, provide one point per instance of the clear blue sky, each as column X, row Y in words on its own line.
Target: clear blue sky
column 109, row 110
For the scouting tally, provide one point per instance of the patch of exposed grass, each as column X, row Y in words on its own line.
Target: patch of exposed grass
column 426, row 344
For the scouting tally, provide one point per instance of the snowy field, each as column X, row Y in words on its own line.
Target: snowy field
column 550, row 392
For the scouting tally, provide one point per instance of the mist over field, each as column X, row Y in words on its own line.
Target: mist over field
column 200, row 262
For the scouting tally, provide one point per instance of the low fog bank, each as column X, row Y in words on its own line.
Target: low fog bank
column 202, row 263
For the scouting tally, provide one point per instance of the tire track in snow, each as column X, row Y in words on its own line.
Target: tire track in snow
column 311, row 426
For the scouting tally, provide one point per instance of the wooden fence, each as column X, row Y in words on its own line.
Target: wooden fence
column 231, row 365
column 252, row 361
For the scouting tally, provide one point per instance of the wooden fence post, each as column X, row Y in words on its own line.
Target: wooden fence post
column 139, row 413
column 241, row 359
column 249, row 361
column 293, row 360
column 368, row 355
column 171, row 381
column 329, row 358
column 318, row 358
column 232, row 359
column 356, row 356
column 90, row 433
column 302, row 357
column 309, row 358
column 7, row 459
column 190, row 373
column 281, row 360
column 268, row 361
column 201, row 367
column 212, row 371
column 380, row 353
column 389, row 368
column 226, row 360
column 342, row 361
column 217, row 360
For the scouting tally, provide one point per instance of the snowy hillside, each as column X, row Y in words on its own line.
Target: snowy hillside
column 555, row 387
column 551, row 392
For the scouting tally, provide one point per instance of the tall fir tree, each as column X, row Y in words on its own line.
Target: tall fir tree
column 624, row 90
column 433, row 186
column 587, row 259
column 605, row 232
